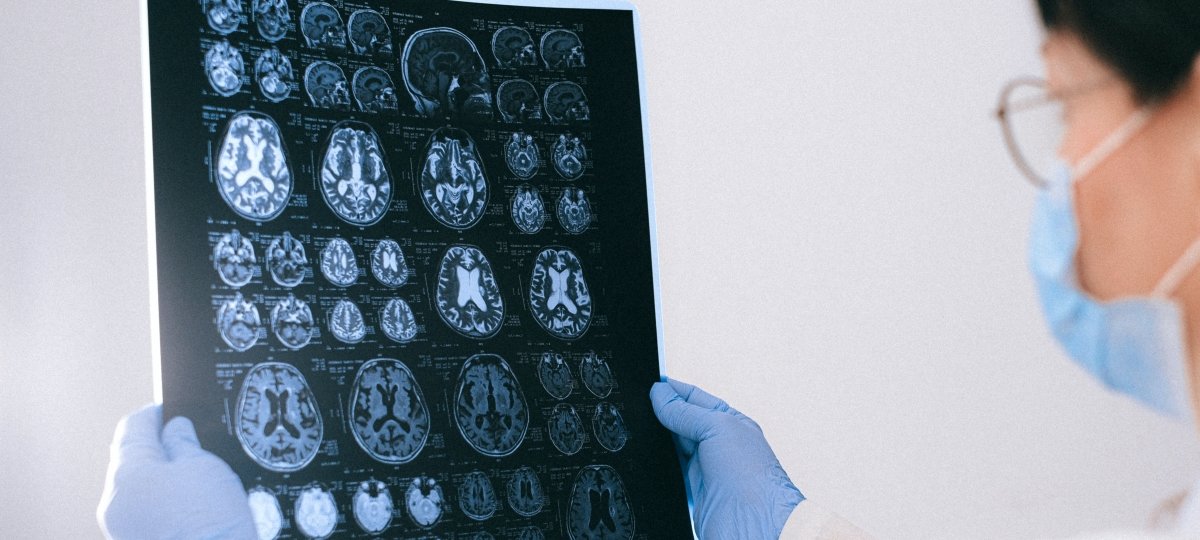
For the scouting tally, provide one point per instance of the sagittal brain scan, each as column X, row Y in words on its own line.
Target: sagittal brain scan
column 525, row 494
column 467, row 297
column 268, row 516
column 513, row 48
column 453, row 184
column 238, row 323
column 271, row 17
column 445, row 75
column 322, row 26
column 424, row 501
column 574, row 211
column 609, row 427
column 292, row 322
column 565, row 429
column 273, row 71
column 326, row 86
column 369, row 33
column 521, row 155
column 518, row 101
column 233, row 257
column 565, row 102
column 278, row 421
column 388, row 264
column 596, row 375
column 397, row 321
column 252, row 169
column 346, row 323
column 286, row 260
column 223, row 16
column 569, row 156
column 599, row 507
column 355, row 181
column 559, row 298
column 562, row 49
column 316, row 512
column 372, row 506
column 225, row 68
column 476, row 497
column 528, row 210
column 374, row 90
column 388, row 414
column 555, row 375
column 338, row 263
column 489, row 406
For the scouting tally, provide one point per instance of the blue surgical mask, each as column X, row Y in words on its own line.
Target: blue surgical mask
column 1135, row 346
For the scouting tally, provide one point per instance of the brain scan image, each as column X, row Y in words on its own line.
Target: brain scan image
column 238, row 323
column 326, row 86
column 558, row 293
column 467, row 297
column 372, row 506
column 490, row 407
column 338, row 264
column 397, row 321
column 565, row 429
column 513, row 48
column 388, row 264
column 278, row 421
column 268, row 516
column 355, row 181
column 424, row 501
column 388, row 414
column 609, row 427
column 346, row 323
column 596, row 375
column 233, row 257
column 518, row 101
column 476, row 497
column 555, row 375
column 316, row 512
column 521, row 155
column 292, row 322
column 525, row 494
column 374, row 90
column 530, row 533
column 273, row 71
column 562, row 49
column 528, row 210
column 224, row 16
column 225, row 68
column 271, row 17
column 565, row 102
column 286, row 260
column 369, row 33
column 599, row 507
column 445, row 75
column 252, row 170
column 453, row 184
column 569, row 156
column 322, row 26
column 574, row 211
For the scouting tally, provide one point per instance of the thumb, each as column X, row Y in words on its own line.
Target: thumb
column 179, row 439
column 679, row 416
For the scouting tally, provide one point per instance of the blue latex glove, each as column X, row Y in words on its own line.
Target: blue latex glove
column 161, row 484
column 737, row 485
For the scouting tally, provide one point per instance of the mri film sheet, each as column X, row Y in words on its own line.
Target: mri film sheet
column 404, row 269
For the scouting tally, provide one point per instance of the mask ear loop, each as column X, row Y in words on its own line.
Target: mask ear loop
column 1111, row 143
column 1181, row 269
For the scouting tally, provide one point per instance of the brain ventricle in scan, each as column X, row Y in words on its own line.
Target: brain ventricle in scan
column 389, row 417
column 489, row 407
column 599, row 507
column 468, row 297
column 446, row 76
column 355, row 181
column 453, row 183
column 476, row 496
column 525, row 494
column 253, row 176
column 278, row 422
column 558, row 293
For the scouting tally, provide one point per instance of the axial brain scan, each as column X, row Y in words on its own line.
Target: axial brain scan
column 372, row 506
column 273, row 71
column 252, row 170
column 490, row 407
column 530, row 533
column 599, row 508
column 316, row 512
column 397, row 321
column 596, row 375
column 468, row 297
column 388, row 264
column 292, row 322
column 518, row 101
column 278, row 421
column 286, row 260
column 565, row 429
column 326, row 86
column 476, row 497
column 574, row 211
column 453, row 184
column 525, row 494
column 521, row 155
column 374, row 90
column 424, row 501
column 388, row 414
column 233, row 257
column 558, row 293
column 225, row 68
column 271, row 18
column 562, row 49
column 238, row 323
column 609, row 427
column 445, row 75
column 223, row 15
column 355, row 181
column 528, row 210
column 338, row 264
column 555, row 375
column 346, row 323
column 369, row 33
column 513, row 48
column 569, row 156
column 322, row 26
column 565, row 102
column 268, row 516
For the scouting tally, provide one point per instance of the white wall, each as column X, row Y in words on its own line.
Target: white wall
column 842, row 247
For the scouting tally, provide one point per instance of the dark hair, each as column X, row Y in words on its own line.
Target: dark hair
column 1151, row 43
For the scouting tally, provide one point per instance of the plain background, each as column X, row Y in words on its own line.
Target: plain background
column 842, row 257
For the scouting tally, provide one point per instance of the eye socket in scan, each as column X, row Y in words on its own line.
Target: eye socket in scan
column 574, row 211
column 372, row 506
column 528, row 210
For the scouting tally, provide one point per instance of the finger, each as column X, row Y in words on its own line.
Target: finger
column 179, row 439
column 696, row 396
column 137, row 436
column 680, row 417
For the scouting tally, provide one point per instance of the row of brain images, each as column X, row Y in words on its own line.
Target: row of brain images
column 254, row 177
column 280, row 428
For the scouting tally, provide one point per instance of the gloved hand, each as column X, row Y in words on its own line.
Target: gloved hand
column 737, row 485
column 163, row 485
